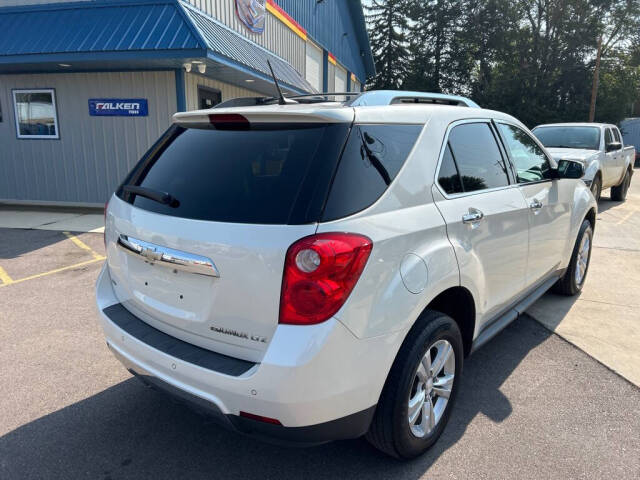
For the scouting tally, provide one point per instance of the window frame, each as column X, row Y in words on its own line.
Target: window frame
column 52, row 91
column 552, row 163
column 490, row 124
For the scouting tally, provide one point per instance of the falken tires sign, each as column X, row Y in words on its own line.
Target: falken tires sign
column 251, row 13
column 118, row 107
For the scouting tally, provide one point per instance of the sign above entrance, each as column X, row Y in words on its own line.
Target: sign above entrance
column 118, row 107
column 251, row 13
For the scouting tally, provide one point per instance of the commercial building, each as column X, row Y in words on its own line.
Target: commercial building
column 86, row 87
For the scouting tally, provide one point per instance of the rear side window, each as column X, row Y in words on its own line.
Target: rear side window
column 372, row 158
column 271, row 174
column 477, row 156
column 616, row 135
column 608, row 136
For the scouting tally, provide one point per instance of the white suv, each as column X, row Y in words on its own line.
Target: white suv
column 318, row 271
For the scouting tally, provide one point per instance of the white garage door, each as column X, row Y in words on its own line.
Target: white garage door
column 341, row 79
column 314, row 66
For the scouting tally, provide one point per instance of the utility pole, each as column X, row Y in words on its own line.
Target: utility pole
column 596, row 81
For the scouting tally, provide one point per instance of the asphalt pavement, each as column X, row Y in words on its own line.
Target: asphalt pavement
column 531, row 405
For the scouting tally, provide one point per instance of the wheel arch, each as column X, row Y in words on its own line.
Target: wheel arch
column 459, row 304
column 591, row 216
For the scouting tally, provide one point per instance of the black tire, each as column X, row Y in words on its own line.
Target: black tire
column 390, row 431
column 568, row 284
column 596, row 187
column 619, row 192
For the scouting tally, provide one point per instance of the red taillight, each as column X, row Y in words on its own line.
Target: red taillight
column 229, row 121
column 260, row 418
column 320, row 272
column 104, row 232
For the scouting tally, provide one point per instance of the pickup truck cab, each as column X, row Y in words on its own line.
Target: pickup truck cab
column 308, row 272
column 599, row 146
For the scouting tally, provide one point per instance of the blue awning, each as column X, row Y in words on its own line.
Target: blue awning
column 137, row 34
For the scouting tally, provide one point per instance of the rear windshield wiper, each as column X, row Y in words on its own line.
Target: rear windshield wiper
column 155, row 195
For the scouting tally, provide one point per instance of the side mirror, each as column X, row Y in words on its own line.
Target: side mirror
column 613, row 146
column 570, row 169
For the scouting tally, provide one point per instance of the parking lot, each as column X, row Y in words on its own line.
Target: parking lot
column 532, row 405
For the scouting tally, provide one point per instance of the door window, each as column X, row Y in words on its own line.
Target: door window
column 449, row 177
column 532, row 165
column 477, row 157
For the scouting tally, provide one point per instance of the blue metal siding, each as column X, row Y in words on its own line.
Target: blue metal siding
column 228, row 43
column 327, row 22
column 114, row 27
column 135, row 30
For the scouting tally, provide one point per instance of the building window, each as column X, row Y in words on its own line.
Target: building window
column 208, row 97
column 36, row 115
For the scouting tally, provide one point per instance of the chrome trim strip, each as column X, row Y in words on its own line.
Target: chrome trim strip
column 177, row 259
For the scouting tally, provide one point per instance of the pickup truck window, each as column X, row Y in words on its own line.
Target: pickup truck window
column 530, row 161
column 477, row 156
column 608, row 137
column 569, row 137
column 616, row 135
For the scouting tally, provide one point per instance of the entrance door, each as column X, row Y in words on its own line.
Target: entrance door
column 208, row 97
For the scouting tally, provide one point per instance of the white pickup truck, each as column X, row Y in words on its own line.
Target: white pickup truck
column 599, row 146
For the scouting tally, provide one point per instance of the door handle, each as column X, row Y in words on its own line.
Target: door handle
column 535, row 205
column 473, row 217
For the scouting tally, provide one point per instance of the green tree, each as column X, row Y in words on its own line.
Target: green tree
column 437, row 59
column 619, row 87
column 387, row 22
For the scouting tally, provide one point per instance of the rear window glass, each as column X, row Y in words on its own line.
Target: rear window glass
column 271, row 174
column 372, row 158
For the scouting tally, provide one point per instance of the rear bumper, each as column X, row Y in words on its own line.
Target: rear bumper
column 351, row 426
column 320, row 382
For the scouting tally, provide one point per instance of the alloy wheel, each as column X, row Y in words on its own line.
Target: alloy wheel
column 582, row 261
column 431, row 388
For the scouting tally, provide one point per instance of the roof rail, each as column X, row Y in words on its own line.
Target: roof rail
column 359, row 99
column 396, row 97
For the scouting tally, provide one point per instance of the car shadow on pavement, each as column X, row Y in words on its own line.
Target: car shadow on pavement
column 15, row 242
column 606, row 203
column 129, row 431
column 551, row 309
